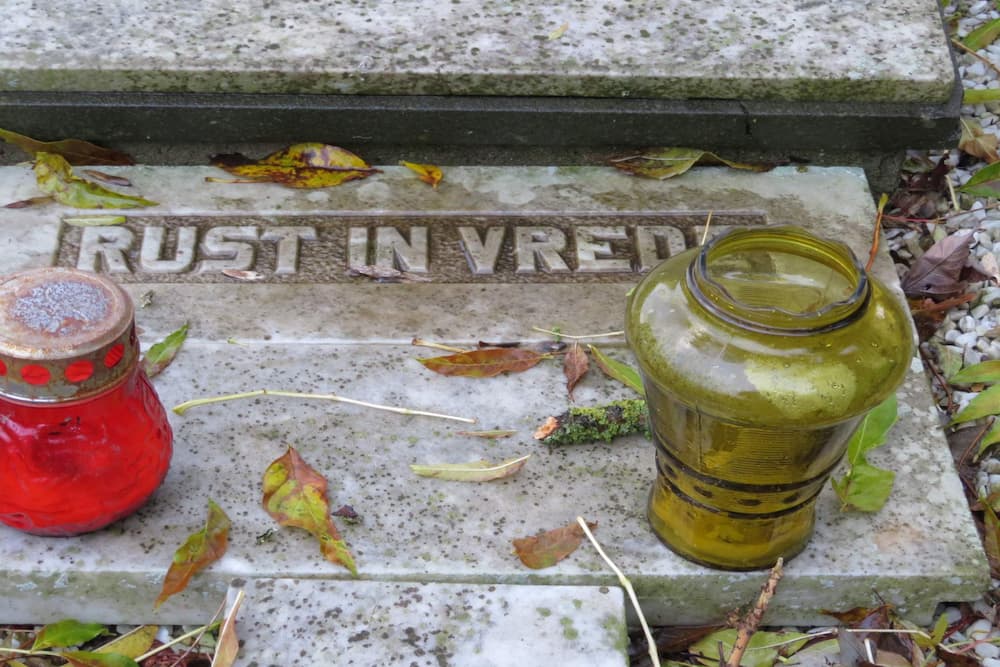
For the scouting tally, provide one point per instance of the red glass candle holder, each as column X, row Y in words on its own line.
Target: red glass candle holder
column 84, row 440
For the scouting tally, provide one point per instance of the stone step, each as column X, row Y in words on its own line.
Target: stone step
column 288, row 621
column 761, row 75
column 307, row 326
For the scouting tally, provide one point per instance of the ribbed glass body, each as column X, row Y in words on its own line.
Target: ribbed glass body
column 760, row 353
column 74, row 467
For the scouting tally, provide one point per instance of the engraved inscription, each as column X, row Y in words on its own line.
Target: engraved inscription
column 508, row 248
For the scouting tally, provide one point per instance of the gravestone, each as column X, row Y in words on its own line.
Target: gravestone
column 490, row 254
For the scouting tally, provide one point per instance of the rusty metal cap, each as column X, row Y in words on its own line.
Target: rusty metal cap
column 64, row 335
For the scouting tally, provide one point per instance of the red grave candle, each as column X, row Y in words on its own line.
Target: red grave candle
column 84, row 440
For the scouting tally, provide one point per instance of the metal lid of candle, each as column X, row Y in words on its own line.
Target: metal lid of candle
column 64, row 335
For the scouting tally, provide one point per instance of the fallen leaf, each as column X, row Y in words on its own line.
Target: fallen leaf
column 936, row 272
column 953, row 659
column 989, row 439
column 69, row 632
column 763, row 650
column 616, row 370
column 548, row 548
column 112, row 179
column 55, row 177
column 295, row 495
column 246, row 276
column 977, row 143
column 980, row 96
column 983, row 36
column 347, row 513
column 476, row 471
column 227, row 645
column 986, row 372
column 382, row 274
column 664, row 163
column 575, row 366
column 986, row 402
column 984, row 183
column 133, row 643
column 74, row 150
column 30, row 201
column 991, row 537
column 487, row 434
column 91, row 659
column 199, row 550
column 428, row 173
column 924, row 184
column 863, row 617
column 484, row 363
column 307, row 165
column 865, row 487
column 162, row 353
column 558, row 32
column 94, row 220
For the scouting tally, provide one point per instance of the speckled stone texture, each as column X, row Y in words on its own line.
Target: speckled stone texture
column 354, row 339
column 855, row 50
column 288, row 622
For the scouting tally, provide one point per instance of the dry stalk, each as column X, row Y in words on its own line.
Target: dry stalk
column 551, row 332
column 746, row 627
column 704, row 234
column 989, row 63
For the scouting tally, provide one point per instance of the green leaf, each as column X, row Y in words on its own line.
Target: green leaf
column 67, row 633
column 74, row 150
column 991, row 438
column 159, row 356
column 761, row 650
column 986, row 402
column 55, row 177
column 90, row 659
column 664, row 163
column 987, row 372
column 984, row 183
column 983, row 36
column 476, row 471
column 618, row 371
column 979, row 96
column 872, row 431
column 991, row 535
column 865, row 487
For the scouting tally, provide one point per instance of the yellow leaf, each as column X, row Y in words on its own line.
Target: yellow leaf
column 132, row 644
column 428, row 173
column 307, row 165
column 55, row 177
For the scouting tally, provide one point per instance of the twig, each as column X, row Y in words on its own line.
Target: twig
column 199, row 632
column 187, row 405
column 420, row 342
column 583, row 337
column 627, row 585
column 940, row 218
column 877, row 234
column 704, row 234
column 989, row 63
column 951, row 193
column 945, row 387
column 749, row 625
column 975, row 442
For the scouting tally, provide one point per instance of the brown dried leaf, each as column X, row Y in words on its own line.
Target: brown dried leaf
column 75, row 151
column 199, row 551
column 548, row 548
column 936, row 273
column 484, row 363
column 977, row 143
column 428, row 173
column 227, row 646
column 107, row 178
column 575, row 366
column 382, row 274
column 295, row 495
column 664, row 163
column 246, row 276
column 30, row 201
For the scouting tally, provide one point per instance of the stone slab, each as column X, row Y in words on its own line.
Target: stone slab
column 353, row 338
column 289, row 621
column 670, row 49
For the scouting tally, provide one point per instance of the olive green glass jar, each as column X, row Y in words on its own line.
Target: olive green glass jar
column 760, row 352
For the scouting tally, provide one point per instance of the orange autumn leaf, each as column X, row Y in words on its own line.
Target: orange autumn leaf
column 548, row 548
column 428, row 173
column 307, row 165
column 575, row 366
column 199, row 551
column 295, row 496
column 484, row 363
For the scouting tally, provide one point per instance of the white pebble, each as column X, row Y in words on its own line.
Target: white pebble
column 985, row 610
column 975, row 69
column 991, row 296
column 994, row 351
column 951, row 336
column 979, row 629
column 984, row 238
column 967, row 339
column 987, row 650
column 994, row 481
column 990, row 465
column 982, row 345
column 991, row 662
column 971, row 357
column 980, row 311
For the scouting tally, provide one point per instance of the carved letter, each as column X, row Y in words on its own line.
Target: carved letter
column 107, row 243
column 648, row 242
column 288, row 246
column 357, row 247
column 225, row 243
column 152, row 249
column 593, row 250
column 538, row 248
column 393, row 251
column 482, row 255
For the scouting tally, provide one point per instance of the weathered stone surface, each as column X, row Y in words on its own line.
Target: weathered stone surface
column 292, row 621
column 677, row 49
column 353, row 339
